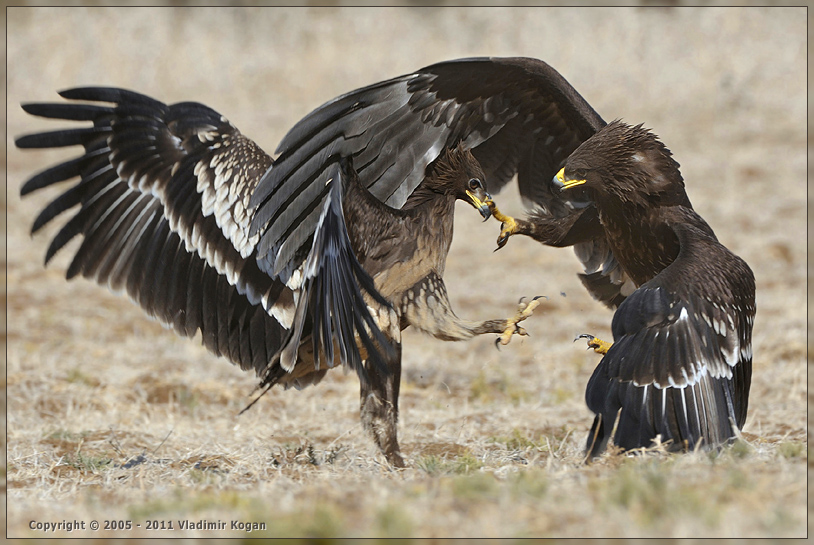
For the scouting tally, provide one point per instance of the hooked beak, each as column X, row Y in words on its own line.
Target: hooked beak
column 480, row 205
column 562, row 183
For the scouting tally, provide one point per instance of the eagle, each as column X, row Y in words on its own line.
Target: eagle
column 519, row 119
column 680, row 369
column 283, row 270
column 680, row 365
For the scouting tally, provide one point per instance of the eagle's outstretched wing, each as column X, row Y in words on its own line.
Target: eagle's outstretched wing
column 681, row 362
column 164, row 211
column 518, row 115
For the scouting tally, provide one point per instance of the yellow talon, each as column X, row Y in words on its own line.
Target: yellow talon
column 508, row 225
column 599, row 346
column 524, row 310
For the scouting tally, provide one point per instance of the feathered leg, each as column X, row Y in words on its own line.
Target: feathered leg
column 426, row 307
column 379, row 407
column 577, row 227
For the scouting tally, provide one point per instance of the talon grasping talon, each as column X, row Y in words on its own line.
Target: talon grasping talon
column 508, row 225
column 599, row 346
column 524, row 310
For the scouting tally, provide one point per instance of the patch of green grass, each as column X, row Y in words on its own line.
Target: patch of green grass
column 561, row 395
column 187, row 398
column 321, row 520
column 480, row 389
column 474, row 487
column 327, row 522
column 533, row 483
column 319, row 523
column 65, row 435
column 76, row 375
column 466, row 463
column 738, row 450
column 736, row 480
column 653, row 491
column 497, row 388
column 518, row 440
column 463, row 464
column 791, row 449
column 431, row 464
column 391, row 521
column 180, row 502
column 88, row 463
column 549, row 440
column 204, row 476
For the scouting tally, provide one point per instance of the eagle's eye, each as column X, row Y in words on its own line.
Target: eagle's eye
column 474, row 184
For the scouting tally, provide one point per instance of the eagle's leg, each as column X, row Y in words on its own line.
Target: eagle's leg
column 523, row 311
column 426, row 307
column 599, row 346
column 379, row 406
column 508, row 225
column 580, row 225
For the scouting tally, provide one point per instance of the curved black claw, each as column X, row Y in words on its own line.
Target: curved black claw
column 597, row 345
column 502, row 238
column 591, row 339
column 520, row 302
column 508, row 225
column 584, row 336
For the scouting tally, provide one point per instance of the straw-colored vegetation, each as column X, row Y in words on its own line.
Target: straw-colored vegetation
column 113, row 418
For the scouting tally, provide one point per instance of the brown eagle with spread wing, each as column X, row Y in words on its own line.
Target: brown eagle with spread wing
column 283, row 270
column 324, row 253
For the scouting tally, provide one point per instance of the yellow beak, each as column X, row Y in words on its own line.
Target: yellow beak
column 569, row 183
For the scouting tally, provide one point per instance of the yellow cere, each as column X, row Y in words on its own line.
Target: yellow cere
column 475, row 200
column 569, row 183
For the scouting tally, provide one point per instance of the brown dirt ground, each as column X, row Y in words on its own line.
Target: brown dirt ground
column 493, row 439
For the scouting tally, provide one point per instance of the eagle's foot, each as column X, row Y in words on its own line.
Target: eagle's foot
column 524, row 310
column 508, row 225
column 599, row 346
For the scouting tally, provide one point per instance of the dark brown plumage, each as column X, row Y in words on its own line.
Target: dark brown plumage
column 517, row 115
column 681, row 363
column 520, row 117
column 164, row 198
column 404, row 252
column 208, row 233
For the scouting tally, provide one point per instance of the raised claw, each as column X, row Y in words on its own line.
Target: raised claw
column 508, row 225
column 524, row 310
column 598, row 345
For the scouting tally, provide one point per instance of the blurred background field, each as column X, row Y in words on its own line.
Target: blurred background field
column 493, row 439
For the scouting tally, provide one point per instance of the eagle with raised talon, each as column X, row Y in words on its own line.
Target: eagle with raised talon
column 680, row 366
column 256, row 236
column 282, row 273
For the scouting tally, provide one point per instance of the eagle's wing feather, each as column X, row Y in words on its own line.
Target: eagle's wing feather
column 682, row 351
column 163, row 196
column 332, row 292
column 518, row 115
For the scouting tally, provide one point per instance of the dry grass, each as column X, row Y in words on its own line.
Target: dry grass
column 111, row 417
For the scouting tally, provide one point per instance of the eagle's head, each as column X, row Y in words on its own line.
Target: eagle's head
column 625, row 164
column 457, row 173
